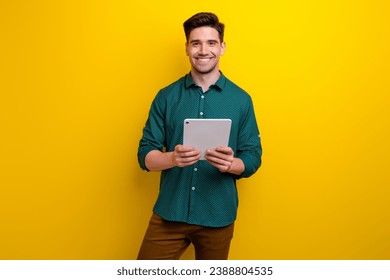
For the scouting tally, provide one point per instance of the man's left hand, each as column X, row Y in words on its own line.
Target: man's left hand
column 222, row 158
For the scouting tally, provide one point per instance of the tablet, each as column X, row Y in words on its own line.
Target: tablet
column 206, row 134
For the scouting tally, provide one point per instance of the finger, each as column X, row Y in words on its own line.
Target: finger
column 223, row 167
column 188, row 159
column 220, row 160
column 182, row 162
column 191, row 153
column 219, row 155
column 225, row 150
column 182, row 148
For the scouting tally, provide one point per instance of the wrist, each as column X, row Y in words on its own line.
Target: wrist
column 172, row 159
column 237, row 167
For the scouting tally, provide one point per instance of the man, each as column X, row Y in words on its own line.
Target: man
column 198, row 199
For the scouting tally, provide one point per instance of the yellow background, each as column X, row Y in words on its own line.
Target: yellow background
column 77, row 79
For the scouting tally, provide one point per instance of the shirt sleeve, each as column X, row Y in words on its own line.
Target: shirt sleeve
column 249, row 148
column 153, row 133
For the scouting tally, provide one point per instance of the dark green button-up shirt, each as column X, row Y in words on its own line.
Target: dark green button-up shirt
column 200, row 194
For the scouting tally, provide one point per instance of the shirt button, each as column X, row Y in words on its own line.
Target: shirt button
column 202, row 96
column 195, row 169
column 201, row 113
column 193, row 188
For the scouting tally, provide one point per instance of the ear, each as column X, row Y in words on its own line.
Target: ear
column 186, row 46
column 223, row 48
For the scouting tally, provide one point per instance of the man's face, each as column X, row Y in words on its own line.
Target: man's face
column 204, row 49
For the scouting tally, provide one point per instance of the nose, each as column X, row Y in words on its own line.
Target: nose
column 203, row 49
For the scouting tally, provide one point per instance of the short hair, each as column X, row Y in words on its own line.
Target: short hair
column 204, row 19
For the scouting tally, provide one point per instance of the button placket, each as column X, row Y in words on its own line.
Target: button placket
column 201, row 105
column 195, row 170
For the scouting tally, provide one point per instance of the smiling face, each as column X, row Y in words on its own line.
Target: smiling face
column 204, row 49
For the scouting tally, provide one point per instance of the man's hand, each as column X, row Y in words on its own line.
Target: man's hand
column 223, row 159
column 185, row 155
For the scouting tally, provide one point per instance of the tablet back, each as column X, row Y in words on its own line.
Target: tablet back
column 206, row 134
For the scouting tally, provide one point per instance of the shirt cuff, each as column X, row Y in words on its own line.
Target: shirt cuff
column 141, row 158
column 251, row 165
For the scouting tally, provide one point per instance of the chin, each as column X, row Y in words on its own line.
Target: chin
column 204, row 70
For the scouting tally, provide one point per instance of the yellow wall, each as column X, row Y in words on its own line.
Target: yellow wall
column 76, row 82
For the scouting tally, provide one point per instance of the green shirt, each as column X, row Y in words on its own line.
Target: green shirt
column 200, row 194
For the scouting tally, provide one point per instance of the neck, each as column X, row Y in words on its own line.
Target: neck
column 205, row 80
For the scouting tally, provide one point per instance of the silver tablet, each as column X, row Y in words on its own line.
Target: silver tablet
column 206, row 134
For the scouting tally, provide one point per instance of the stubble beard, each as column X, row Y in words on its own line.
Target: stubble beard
column 204, row 71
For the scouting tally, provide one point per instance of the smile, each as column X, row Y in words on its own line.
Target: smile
column 204, row 59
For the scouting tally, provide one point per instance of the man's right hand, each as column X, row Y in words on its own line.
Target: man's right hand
column 184, row 156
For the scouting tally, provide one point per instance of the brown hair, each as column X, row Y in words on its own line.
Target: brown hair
column 204, row 19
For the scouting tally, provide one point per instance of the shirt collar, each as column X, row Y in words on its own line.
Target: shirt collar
column 219, row 84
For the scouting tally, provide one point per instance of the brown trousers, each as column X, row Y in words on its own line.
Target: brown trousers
column 166, row 240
